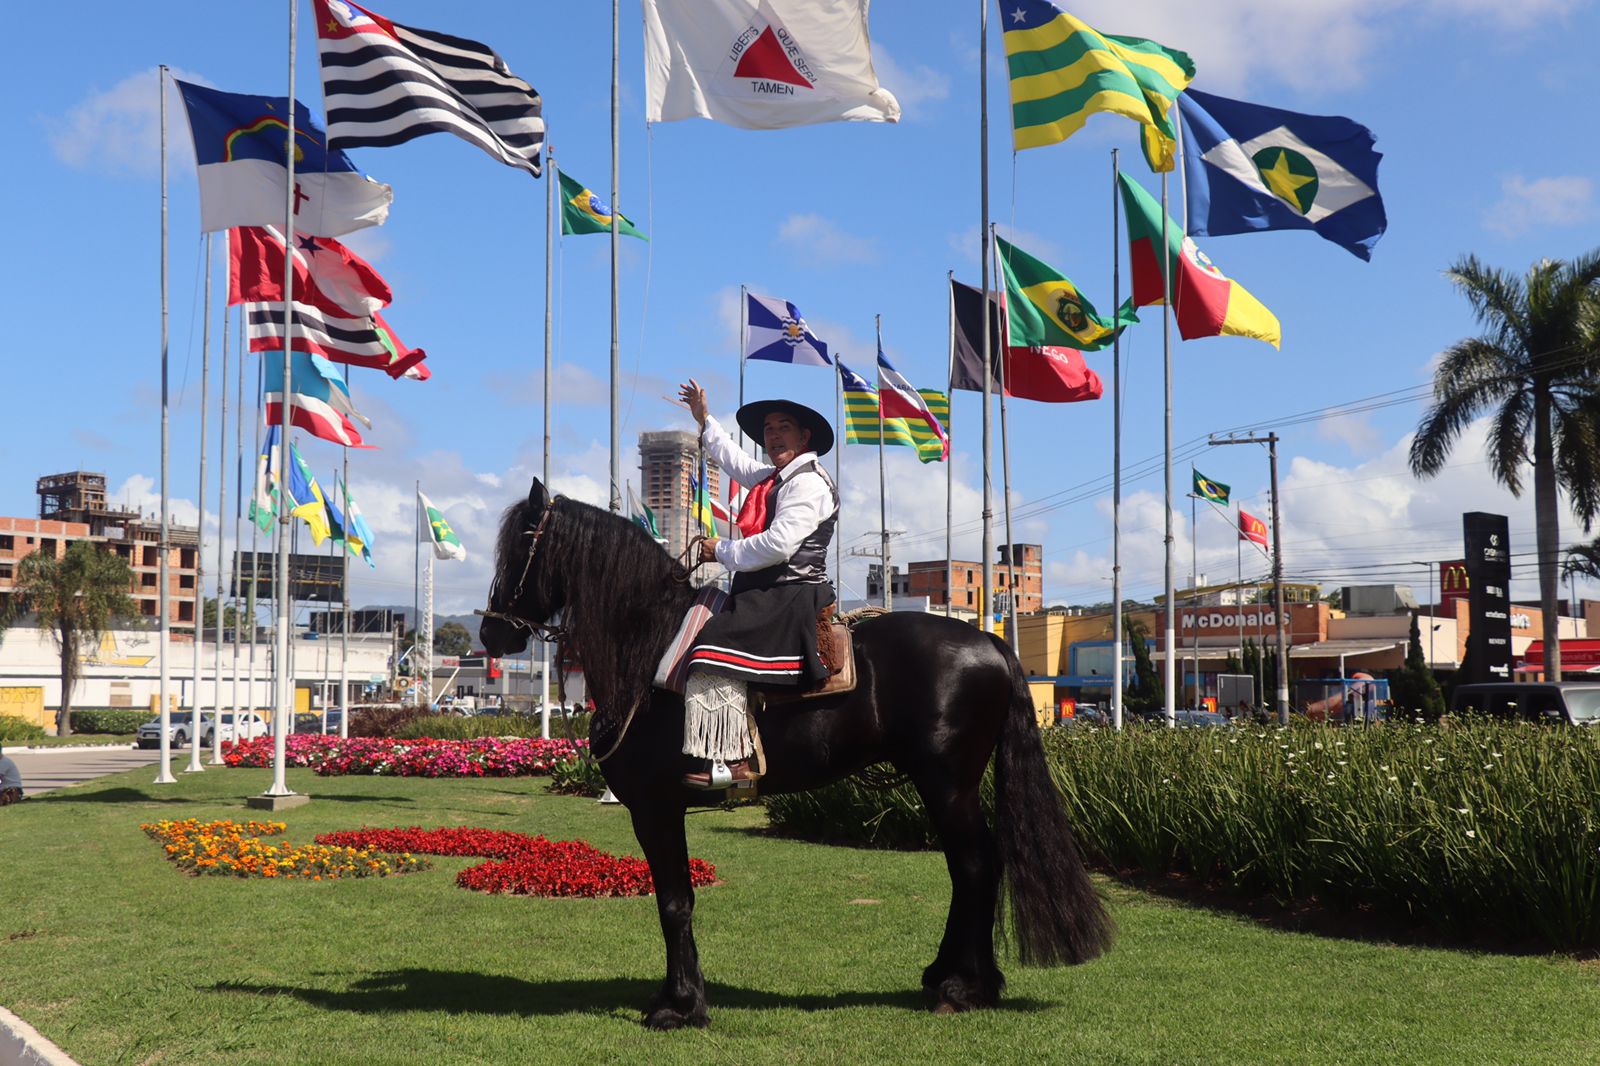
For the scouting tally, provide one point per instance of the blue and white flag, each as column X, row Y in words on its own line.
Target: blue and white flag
column 1253, row 168
column 239, row 152
column 322, row 405
column 775, row 330
column 358, row 533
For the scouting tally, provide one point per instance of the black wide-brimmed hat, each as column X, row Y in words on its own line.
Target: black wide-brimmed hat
column 752, row 418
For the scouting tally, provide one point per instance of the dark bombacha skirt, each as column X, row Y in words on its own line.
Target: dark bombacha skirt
column 767, row 636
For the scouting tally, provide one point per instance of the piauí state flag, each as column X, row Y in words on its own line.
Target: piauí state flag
column 446, row 545
column 305, row 497
column 239, row 151
column 1208, row 303
column 583, row 211
column 1045, row 309
column 864, row 421
column 1063, row 70
column 775, row 330
column 897, row 399
column 1253, row 168
column 1207, row 489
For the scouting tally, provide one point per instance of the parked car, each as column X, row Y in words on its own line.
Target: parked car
column 1551, row 702
column 312, row 723
column 181, row 728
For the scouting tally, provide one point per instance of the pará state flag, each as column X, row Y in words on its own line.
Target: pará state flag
column 1260, row 168
column 446, row 545
column 776, row 331
column 762, row 64
column 239, row 152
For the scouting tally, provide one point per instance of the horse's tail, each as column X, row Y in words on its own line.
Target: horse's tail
column 1056, row 914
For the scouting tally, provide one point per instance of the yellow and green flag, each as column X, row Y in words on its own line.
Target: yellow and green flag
column 1207, row 489
column 862, row 423
column 1044, row 309
column 583, row 211
column 1063, row 70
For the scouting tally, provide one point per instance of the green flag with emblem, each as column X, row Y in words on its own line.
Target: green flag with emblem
column 1044, row 309
column 1206, row 489
column 446, row 545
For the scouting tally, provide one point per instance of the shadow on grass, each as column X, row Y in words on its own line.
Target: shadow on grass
column 456, row 992
column 111, row 795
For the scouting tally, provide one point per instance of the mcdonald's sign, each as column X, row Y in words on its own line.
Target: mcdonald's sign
column 1453, row 582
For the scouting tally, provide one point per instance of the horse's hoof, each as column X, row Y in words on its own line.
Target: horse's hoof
column 666, row 1019
column 946, row 1008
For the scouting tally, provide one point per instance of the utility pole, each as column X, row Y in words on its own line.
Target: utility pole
column 1271, row 441
column 888, row 577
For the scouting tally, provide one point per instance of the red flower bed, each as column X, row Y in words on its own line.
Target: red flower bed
column 520, row 864
column 483, row 757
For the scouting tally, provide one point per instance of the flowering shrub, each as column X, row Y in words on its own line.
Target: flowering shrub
column 484, row 757
column 231, row 849
column 520, row 864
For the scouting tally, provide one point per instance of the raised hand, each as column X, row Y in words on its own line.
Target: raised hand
column 694, row 398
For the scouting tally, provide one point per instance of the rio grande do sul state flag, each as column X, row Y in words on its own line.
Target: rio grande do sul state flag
column 762, row 64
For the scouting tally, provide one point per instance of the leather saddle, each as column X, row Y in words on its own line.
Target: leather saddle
column 836, row 649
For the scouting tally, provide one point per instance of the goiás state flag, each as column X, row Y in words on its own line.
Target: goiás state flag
column 239, row 143
column 321, row 398
column 1206, row 302
column 384, row 84
column 1252, row 528
column 776, row 331
column 1250, row 167
column 762, row 64
column 1045, row 374
column 897, row 399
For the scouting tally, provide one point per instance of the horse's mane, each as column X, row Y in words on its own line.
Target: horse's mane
column 622, row 596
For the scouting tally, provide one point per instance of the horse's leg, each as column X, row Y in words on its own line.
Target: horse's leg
column 658, row 823
column 963, row 976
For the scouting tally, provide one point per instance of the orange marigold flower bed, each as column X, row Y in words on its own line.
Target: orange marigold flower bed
column 234, row 849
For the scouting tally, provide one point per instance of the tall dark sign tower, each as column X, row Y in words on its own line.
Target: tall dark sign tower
column 1488, row 544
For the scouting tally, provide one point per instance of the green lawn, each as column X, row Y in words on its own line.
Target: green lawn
column 76, row 740
column 120, row 958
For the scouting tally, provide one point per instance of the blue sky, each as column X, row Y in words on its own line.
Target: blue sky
column 1472, row 103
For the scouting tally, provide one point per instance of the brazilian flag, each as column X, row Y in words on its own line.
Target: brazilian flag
column 582, row 211
column 1206, row 489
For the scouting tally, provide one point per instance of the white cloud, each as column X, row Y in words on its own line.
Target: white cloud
column 119, row 129
column 1312, row 45
column 913, row 86
column 819, row 241
column 370, row 244
column 1554, row 201
column 1355, row 432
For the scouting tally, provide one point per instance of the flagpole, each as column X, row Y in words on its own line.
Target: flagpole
column 983, row 274
column 344, row 625
column 1238, row 595
column 222, row 540
column 950, row 460
column 196, row 715
column 1116, row 448
column 1005, row 487
column 744, row 328
column 883, row 494
column 1194, row 596
column 427, row 626
column 838, row 482
column 164, row 773
column 616, row 214
column 416, row 594
column 554, row 178
column 1168, row 645
column 255, row 524
column 238, row 511
column 285, row 694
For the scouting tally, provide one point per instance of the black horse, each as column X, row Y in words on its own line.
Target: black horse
column 935, row 697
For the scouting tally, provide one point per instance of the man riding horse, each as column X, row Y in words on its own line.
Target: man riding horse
column 780, row 578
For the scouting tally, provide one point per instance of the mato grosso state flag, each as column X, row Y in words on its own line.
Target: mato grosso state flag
column 584, row 212
column 446, row 545
column 1045, row 309
column 1063, row 70
column 1251, row 168
column 1207, row 303
column 1207, row 489
column 384, row 83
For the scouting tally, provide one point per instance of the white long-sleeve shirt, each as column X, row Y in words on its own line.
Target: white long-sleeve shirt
column 798, row 504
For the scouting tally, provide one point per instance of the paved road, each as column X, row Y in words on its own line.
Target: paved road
column 51, row 769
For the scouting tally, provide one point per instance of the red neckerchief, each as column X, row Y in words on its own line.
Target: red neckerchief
column 753, row 513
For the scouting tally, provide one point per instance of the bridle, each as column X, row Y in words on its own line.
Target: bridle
column 536, row 630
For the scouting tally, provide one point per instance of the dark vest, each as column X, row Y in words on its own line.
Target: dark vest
column 809, row 564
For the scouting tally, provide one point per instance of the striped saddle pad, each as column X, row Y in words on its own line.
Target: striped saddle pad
column 673, row 670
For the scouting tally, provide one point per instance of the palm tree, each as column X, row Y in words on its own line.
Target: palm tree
column 1583, row 560
column 75, row 597
column 1536, row 368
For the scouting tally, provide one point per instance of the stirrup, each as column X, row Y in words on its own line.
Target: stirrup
column 721, row 776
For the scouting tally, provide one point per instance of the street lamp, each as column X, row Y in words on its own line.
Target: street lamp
column 1432, row 624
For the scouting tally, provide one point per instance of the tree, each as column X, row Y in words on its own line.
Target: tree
column 208, row 620
column 452, row 638
column 75, row 597
column 1535, row 368
column 1413, row 689
column 1583, row 560
column 1145, row 693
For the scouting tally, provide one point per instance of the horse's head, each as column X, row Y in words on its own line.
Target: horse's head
column 525, row 594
